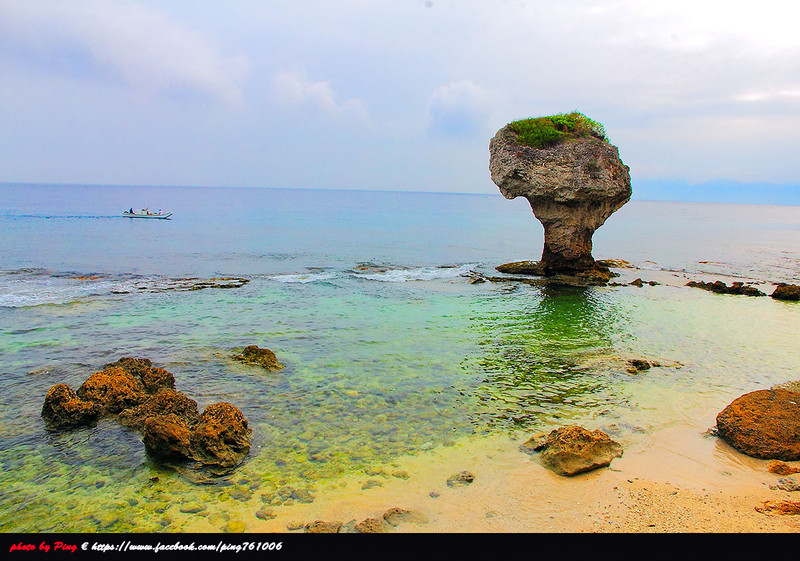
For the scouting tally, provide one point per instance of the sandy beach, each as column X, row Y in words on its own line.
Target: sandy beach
column 678, row 481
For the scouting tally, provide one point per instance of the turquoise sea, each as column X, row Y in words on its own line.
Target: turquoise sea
column 389, row 350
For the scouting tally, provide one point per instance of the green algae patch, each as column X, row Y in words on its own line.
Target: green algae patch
column 542, row 132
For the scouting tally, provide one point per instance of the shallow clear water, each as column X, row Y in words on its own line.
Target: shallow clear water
column 388, row 349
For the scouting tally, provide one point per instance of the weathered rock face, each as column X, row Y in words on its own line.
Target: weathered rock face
column 64, row 409
column 167, row 436
column 113, row 390
column 164, row 402
column 572, row 187
column 763, row 424
column 221, row 437
column 572, row 450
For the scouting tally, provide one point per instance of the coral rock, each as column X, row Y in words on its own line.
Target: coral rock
column 222, row 436
column 64, row 409
column 572, row 187
column 763, row 424
column 113, row 390
column 167, row 436
column 265, row 358
column 152, row 377
column 572, row 450
column 164, row 402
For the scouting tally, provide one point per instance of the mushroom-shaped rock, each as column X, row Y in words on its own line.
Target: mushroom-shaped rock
column 572, row 450
column 222, row 436
column 573, row 179
column 64, row 409
column 763, row 424
column 113, row 389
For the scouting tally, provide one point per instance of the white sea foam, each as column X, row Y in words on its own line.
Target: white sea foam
column 417, row 274
column 303, row 278
column 37, row 290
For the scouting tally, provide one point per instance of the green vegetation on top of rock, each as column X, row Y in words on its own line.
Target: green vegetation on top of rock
column 541, row 132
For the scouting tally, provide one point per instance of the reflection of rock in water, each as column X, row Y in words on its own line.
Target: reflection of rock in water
column 544, row 358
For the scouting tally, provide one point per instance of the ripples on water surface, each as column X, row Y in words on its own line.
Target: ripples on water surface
column 388, row 349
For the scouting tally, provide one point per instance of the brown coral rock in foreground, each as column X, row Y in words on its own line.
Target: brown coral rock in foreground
column 763, row 424
column 64, row 409
column 143, row 397
column 222, row 436
column 165, row 402
column 572, row 450
column 152, row 377
column 252, row 354
column 572, row 187
column 167, row 436
column 113, row 390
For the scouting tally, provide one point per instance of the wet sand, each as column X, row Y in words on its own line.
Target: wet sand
column 676, row 480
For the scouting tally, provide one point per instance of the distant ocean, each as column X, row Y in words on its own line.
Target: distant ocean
column 389, row 349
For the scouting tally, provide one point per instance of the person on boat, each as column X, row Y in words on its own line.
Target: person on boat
column 130, row 211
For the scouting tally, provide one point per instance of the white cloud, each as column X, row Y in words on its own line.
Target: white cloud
column 124, row 41
column 295, row 89
column 459, row 108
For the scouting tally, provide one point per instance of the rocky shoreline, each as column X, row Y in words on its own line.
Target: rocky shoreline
column 143, row 397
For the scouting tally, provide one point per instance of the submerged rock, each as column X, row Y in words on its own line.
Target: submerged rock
column 786, row 292
column 721, row 288
column 763, row 424
column 572, row 450
column 572, row 187
column 265, row 358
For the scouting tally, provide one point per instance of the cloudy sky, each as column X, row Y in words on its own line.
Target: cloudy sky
column 389, row 94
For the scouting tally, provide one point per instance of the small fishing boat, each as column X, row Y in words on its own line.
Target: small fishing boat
column 145, row 213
